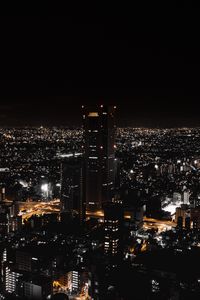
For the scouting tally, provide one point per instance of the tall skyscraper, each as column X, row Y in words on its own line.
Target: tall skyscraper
column 72, row 186
column 113, row 226
column 99, row 130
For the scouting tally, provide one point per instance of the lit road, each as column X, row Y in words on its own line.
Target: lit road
column 161, row 225
column 39, row 208
column 149, row 223
column 95, row 214
column 100, row 214
column 29, row 209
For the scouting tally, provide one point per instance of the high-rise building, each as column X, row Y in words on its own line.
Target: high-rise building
column 113, row 224
column 99, row 129
column 72, row 186
column 11, row 279
column 74, row 278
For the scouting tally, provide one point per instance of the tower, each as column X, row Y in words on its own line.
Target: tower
column 72, row 186
column 99, row 134
column 113, row 226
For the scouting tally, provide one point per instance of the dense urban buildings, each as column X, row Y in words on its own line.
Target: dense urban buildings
column 144, row 226
column 99, row 202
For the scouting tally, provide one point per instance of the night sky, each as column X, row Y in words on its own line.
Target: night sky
column 147, row 63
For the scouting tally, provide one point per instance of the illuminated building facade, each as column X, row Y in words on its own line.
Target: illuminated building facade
column 99, row 129
column 11, row 279
column 113, row 224
column 75, row 281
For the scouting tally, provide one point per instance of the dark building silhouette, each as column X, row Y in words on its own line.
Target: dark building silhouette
column 180, row 222
column 187, row 223
column 72, row 196
column 153, row 207
column 99, row 130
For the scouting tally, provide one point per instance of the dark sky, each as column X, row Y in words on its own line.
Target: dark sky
column 144, row 61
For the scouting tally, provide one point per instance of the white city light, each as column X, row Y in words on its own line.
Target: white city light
column 44, row 187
